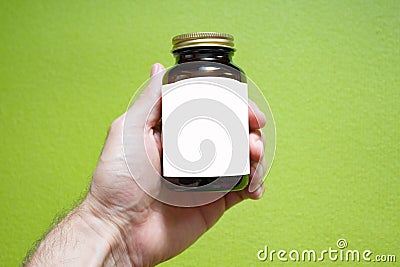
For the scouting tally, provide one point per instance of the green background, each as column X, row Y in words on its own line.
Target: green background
column 329, row 69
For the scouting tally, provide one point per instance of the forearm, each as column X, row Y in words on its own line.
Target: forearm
column 82, row 239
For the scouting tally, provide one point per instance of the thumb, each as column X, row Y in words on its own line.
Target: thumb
column 156, row 68
column 147, row 108
column 140, row 153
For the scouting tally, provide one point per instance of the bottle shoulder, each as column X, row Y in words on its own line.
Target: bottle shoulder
column 203, row 69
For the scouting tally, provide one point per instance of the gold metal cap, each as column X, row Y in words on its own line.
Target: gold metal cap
column 202, row 39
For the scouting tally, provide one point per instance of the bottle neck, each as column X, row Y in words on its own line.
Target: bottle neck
column 214, row 54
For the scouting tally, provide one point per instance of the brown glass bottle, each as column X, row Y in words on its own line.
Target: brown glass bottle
column 210, row 55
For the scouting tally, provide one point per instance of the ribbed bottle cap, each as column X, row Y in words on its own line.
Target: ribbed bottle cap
column 202, row 39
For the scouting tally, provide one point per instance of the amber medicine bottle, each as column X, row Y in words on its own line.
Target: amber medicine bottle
column 205, row 54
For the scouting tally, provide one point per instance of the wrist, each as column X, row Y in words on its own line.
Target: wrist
column 109, row 232
column 81, row 239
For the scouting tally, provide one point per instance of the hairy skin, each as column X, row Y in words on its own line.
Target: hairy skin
column 118, row 224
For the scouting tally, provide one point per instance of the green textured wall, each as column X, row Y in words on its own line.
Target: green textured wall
column 329, row 69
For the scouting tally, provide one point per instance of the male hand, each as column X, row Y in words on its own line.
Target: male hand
column 129, row 226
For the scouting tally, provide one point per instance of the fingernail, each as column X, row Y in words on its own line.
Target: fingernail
column 254, row 166
column 155, row 68
column 261, row 147
column 260, row 192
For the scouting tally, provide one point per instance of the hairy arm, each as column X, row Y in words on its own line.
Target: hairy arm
column 82, row 239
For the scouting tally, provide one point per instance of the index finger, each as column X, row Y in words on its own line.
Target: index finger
column 257, row 118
